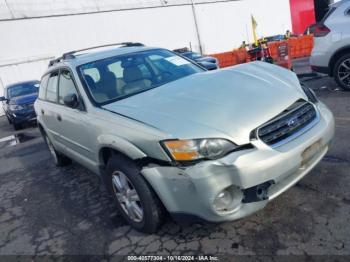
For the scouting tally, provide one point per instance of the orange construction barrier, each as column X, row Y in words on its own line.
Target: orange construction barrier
column 294, row 47
column 226, row 59
column 301, row 46
column 241, row 54
column 237, row 56
column 282, row 52
column 298, row 46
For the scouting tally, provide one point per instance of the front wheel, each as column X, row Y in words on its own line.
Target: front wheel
column 134, row 198
column 342, row 72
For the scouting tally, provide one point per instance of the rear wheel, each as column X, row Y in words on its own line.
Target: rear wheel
column 342, row 72
column 134, row 198
column 59, row 159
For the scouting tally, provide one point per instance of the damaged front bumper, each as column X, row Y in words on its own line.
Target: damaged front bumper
column 253, row 177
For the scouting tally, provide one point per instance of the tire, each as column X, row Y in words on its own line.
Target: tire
column 17, row 126
column 341, row 72
column 8, row 119
column 142, row 211
column 59, row 158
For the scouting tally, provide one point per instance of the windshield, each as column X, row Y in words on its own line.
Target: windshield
column 23, row 89
column 122, row 76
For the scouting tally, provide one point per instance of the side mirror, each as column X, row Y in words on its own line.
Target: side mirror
column 2, row 98
column 71, row 101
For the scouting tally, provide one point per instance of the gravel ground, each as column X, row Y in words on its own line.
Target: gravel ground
column 46, row 210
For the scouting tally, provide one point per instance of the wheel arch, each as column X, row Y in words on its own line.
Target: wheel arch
column 113, row 144
column 339, row 53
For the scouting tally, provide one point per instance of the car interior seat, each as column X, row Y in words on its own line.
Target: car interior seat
column 134, row 80
column 98, row 96
column 108, row 84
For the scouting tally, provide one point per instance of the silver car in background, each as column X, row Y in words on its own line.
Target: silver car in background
column 169, row 137
column 331, row 52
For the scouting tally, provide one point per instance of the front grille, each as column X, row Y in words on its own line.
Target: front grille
column 288, row 123
column 29, row 106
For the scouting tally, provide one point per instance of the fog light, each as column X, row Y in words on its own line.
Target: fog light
column 223, row 201
column 228, row 200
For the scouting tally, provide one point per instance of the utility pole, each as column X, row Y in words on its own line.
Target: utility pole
column 196, row 25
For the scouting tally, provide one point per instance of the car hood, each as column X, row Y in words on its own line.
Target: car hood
column 226, row 103
column 27, row 99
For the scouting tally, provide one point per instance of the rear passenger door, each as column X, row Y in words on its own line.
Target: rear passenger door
column 48, row 107
column 72, row 123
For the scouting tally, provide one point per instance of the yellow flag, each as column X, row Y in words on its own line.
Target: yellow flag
column 254, row 26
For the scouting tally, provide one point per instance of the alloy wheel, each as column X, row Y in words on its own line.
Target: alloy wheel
column 127, row 196
column 344, row 72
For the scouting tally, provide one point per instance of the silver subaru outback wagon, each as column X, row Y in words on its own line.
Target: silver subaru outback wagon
column 168, row 137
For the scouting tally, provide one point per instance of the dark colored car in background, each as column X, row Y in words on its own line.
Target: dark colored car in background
column 18, row 102
column 208, row 62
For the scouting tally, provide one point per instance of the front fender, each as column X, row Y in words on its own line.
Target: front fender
column 121, row 145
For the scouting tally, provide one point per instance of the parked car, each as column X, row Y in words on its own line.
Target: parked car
column 168, row 136
column 331, row 52
column 208, row 62
column 18, row 102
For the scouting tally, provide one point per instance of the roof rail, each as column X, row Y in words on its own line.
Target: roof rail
column 70, row 54
column 56, row 60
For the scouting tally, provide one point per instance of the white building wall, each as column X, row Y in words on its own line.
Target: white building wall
column 39, row 29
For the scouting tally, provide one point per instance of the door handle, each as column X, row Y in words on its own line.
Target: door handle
column 42, row 112
column 59, row 118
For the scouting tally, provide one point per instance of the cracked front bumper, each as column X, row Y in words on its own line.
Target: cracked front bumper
column 192, row 190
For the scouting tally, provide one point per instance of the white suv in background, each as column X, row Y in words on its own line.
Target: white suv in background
column 331, row 52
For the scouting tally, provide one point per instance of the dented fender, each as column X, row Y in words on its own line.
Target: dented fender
column 121, row 145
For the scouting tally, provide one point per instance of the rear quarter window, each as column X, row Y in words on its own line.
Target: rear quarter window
column 51, row 90
column 42, row 88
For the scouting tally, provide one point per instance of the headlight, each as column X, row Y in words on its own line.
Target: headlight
column 309, row 93
column 16, row 107
column 195, row 149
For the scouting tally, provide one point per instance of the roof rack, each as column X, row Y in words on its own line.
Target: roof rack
column 70, row 54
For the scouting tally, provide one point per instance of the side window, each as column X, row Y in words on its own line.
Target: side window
column 42, row 88
column 66, row 85
column 51, row 91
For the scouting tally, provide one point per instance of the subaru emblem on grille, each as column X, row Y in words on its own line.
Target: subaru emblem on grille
column 293, row 122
